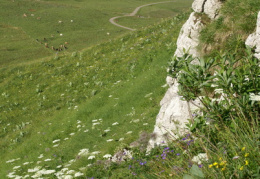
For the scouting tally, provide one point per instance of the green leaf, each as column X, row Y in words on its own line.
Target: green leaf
column 195, row 170
column 185, row 176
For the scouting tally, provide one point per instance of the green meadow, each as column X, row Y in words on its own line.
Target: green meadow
column 99, row 94
column 25, row 26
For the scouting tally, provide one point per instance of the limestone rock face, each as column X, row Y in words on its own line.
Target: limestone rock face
column 172, row 118
column 253, row 40
column 175, row 112
column 209, row 7
column 188, row 39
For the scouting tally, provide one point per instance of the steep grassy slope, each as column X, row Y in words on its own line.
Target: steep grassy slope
column 25, row 26
column 61, row 100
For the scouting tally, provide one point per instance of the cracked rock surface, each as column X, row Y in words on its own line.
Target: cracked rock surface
column 253, row 40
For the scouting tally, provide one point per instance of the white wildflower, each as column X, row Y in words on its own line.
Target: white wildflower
column 83, row 152
column 115, row 123
column 10, row 161
column 91, row 157
column 40, row 156
column 67, row 177
column 38, row 162
column 110, row 140
column 71, row 134
column 55, row 141
column 148, row 95
column 96, row 123
column 129, row 132
column 64, row 170
column 37, row 168
column 86, row 130
column 16, row 167
column 107, row 156
column 47, row 160
column 82, row 168
column 110, row 96
column 254, row 97
column 37, row 175
column 200, row 157
column 107, row 130
column 25, row 163
column 136, row 121
column 95, row 120
column 72, row 161
column 59, row 166
column 95, row 153
column 71, row 172
column 11, row 175
column 66, row 138
column 47, row 172
column 61, row 34
column 78, row 174
column 236, row 157
column 145, row 124
column 121, row 139
column 56, row 145
column 78, row 126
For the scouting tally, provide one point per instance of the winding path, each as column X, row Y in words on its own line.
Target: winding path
column 112, row 20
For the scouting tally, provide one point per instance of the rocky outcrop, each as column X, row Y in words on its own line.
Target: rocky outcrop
column 188, row 39
column 173, row 116
column 175, row 112
column 253, row 40
column 209, row 7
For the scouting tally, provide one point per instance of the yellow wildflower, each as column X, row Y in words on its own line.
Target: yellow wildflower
column 210, row 166
column 223, row 163
column 247, row 154
column 217, row 166
column 243, row 148
column 241, row 168
column 220, row 159
column 222, row 169
column 215, row 163
column 246, row 162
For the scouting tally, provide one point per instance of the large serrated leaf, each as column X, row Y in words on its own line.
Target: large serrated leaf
column 195, row 170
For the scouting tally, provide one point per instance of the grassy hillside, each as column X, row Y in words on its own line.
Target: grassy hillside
column 73, row 100
column 25, row 26
column 65, row 115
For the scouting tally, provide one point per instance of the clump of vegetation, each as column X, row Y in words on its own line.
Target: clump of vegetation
column 224, row 136
column 237, row 20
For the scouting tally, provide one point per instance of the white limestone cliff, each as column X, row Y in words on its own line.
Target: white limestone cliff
column 188, row 39
column 175, row 112
column 209, row 7
column 253, row 40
